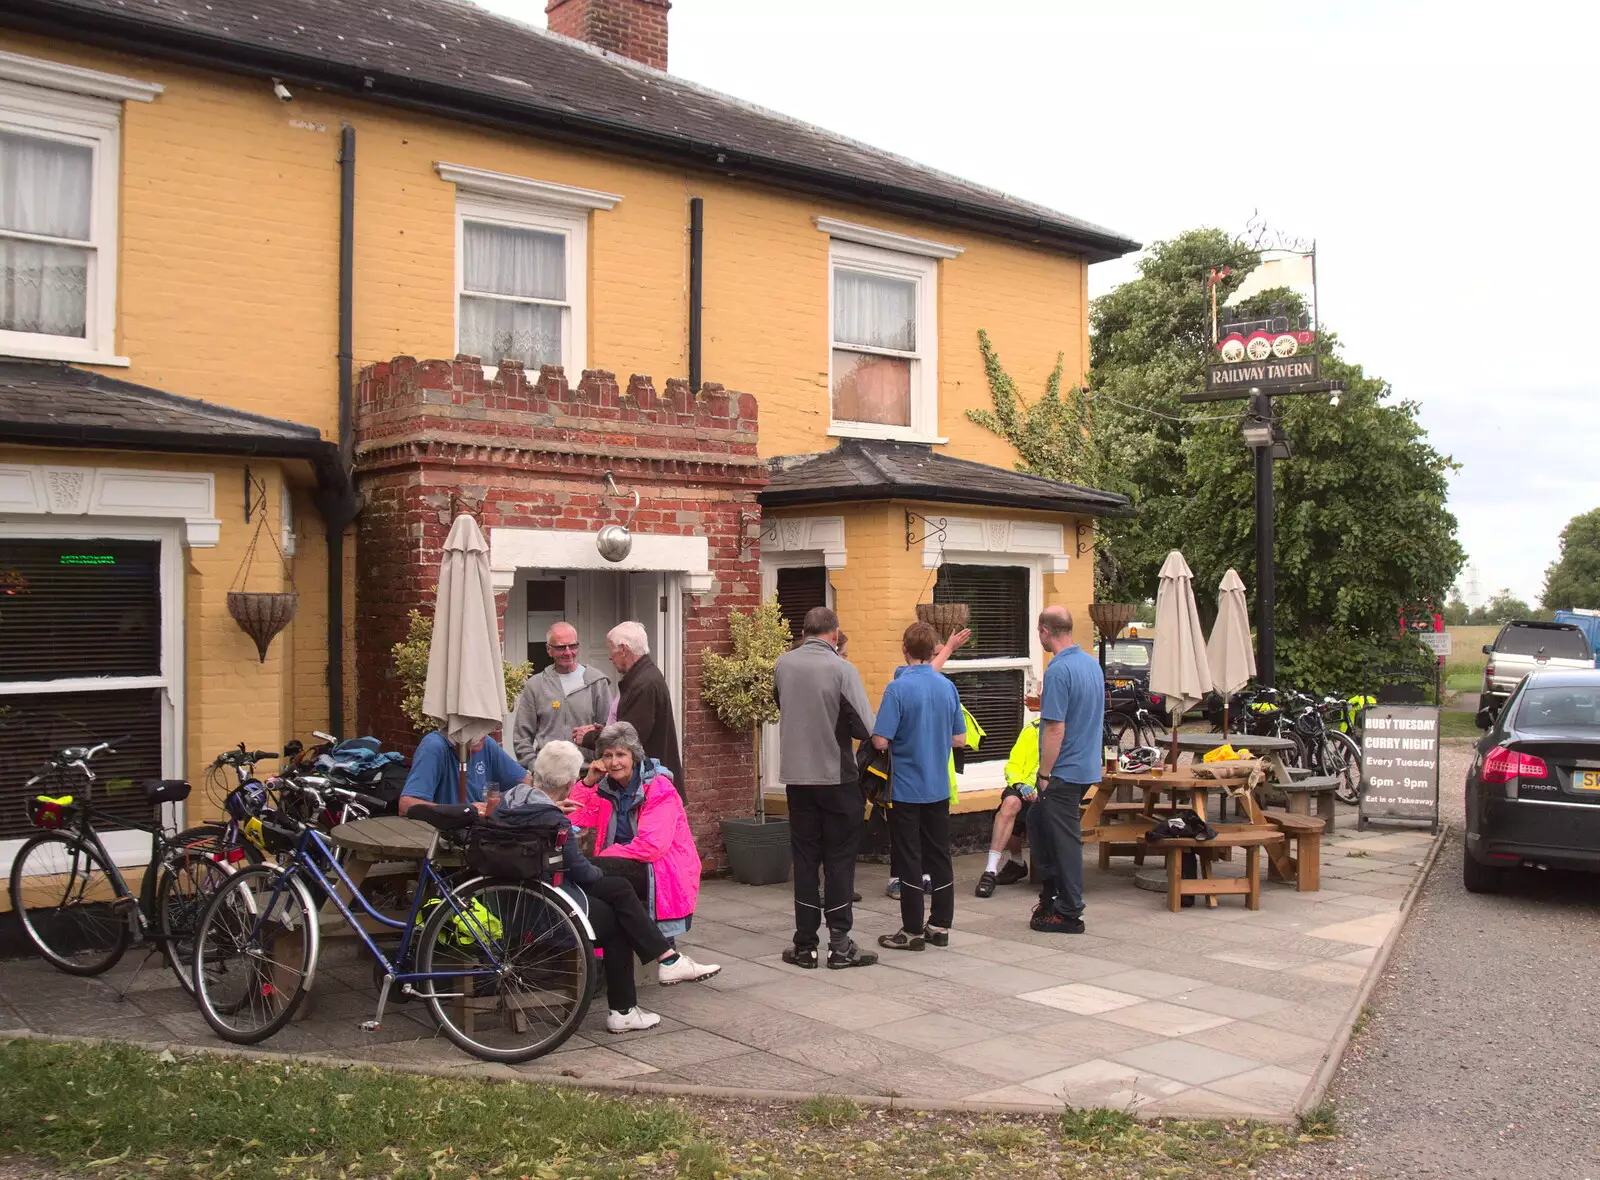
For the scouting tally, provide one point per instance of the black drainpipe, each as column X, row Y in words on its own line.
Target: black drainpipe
column 697, row 242
column 340, row 504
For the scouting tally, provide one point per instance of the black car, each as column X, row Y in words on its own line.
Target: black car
column 1533, row 792
column 1128, row 664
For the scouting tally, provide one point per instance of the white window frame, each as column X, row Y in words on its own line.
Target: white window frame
column 97, row 124
column 924, row 272
column 521, row 202
column 572, row 227
column 126, row 847
column 980, row 775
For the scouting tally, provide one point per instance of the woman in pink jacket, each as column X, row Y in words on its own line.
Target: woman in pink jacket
column 641, row 830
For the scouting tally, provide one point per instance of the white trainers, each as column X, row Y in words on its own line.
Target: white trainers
column 685, row 970
column 635, row 1019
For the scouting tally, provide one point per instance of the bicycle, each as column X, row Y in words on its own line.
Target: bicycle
column 516, row 958
column 73, row 903
column 1131, row 725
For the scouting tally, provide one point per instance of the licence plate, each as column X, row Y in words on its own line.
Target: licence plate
column 1129, row 684
column 1586, row 780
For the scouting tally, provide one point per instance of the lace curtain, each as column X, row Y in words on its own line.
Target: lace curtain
column 504, row 260
column 873, row 311
column 46, row 188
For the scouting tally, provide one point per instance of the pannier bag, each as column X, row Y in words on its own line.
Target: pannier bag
column 514, row 852
column 48, row 812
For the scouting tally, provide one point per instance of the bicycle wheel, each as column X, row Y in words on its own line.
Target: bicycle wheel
column 542, row 957
column 1341, row 758
column 1124, row 731
column 254, row 954
column 66, row 898
column 190, row 877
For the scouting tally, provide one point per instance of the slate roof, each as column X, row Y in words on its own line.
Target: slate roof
column 862, row 469
column 50, row 404
column 461, row 61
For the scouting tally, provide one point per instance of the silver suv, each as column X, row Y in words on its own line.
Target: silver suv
column 1523, row 646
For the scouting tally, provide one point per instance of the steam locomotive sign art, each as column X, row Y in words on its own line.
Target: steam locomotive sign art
column 1262, row 352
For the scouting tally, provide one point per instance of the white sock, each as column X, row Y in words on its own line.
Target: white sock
column 1016, row 859
column 994, row 862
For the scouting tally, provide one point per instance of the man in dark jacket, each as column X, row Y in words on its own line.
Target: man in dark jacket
column 643, row 700
column 823, row 713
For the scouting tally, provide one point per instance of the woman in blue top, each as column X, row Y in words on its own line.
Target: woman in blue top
column 919, row 723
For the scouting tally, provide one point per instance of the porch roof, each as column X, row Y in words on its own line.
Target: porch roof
column 869, row 469
column 45, row 403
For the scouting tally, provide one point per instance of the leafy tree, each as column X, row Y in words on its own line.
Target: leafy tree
column 1456, row 612
column 1362, row 530
column 1573, row 581
column 411, row 665
column 1502, row 607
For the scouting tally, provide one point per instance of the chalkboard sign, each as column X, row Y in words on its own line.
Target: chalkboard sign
column 1400, row 765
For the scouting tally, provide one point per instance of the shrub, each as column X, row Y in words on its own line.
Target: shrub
column 411, row 665
column 738, row 687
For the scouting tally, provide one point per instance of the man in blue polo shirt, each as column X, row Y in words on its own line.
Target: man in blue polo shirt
column 919, row 722
column 1072, row 707
column 436, row 772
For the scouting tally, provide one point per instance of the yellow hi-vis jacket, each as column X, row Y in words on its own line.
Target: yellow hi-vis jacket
column 1022, row 767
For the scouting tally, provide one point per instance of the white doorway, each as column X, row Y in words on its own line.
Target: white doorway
column 595, row 601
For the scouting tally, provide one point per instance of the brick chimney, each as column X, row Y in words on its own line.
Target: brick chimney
column 632, row 28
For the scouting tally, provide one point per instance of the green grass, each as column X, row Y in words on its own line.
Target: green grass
column 828, row 1110
column 1321, row 1122
column 1456, row 724
column 121, row 1113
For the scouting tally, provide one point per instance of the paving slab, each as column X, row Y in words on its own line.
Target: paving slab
column 1211, row 1012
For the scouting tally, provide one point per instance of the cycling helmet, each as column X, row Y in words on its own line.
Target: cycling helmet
column 1139, row 759
column 246, row 801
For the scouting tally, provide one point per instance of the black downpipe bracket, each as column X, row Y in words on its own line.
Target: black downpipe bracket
column 337, row 499
column 697, row 242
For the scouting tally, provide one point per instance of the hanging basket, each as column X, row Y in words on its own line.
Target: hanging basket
column 261, row 616
column 944, row 617
column 1111, row 617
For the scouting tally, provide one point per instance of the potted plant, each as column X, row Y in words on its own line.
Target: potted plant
column 738, row 688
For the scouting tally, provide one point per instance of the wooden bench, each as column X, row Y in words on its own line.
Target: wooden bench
column 1251, row 839
column 1301, row 791
column 1299, row 858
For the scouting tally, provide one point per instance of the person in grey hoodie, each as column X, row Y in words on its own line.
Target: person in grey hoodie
column 566, row 702
column 823, row 712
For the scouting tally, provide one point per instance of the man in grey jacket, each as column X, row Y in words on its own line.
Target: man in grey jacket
column 566, row 702
column 823, row 713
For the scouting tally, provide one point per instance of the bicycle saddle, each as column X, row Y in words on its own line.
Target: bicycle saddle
column 164, row 790
column 447, row 817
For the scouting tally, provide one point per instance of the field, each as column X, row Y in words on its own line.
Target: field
column 1463, row 672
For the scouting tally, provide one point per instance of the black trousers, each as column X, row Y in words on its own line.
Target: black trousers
column 622, row 929
column 919, row 843
column 634, row 872
column 824, row 837
column 1055, row 831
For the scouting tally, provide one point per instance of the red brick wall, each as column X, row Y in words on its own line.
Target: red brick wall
column 633, row 28
column 435, row 438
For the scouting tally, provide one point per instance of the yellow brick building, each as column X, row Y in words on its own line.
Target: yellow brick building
column 213, row 220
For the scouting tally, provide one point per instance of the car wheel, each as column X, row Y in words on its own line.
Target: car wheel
column 1480, row 878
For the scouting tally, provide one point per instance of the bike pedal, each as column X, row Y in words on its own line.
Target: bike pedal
column 371, row 1026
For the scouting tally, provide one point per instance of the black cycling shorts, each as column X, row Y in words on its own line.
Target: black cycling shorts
column 1012, row 791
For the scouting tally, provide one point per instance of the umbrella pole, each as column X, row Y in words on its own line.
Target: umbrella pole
column 462, row 781
column 1172, row 752
column 1224, row 719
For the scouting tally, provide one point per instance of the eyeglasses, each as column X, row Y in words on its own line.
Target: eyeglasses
column 562, row 646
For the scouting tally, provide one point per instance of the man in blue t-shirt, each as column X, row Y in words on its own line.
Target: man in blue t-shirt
column 1072, row 707
column 919, row 722
column 436, row 772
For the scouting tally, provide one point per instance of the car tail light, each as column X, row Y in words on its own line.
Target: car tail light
column 1155, row 700
column 1488, row 670
column 1501, row 765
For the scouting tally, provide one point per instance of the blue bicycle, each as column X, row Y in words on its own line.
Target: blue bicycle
column 506, row 967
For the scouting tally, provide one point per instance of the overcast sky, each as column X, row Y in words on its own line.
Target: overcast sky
column 1442, row 156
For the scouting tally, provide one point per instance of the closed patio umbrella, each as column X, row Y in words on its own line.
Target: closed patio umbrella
column 1178, row 666
column 1229, row 651
column 466, row 688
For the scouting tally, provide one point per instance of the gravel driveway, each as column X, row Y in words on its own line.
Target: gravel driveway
column 1480, row 1056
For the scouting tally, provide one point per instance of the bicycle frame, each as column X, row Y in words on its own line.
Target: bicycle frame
column 85, row 833
column 302, row 862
